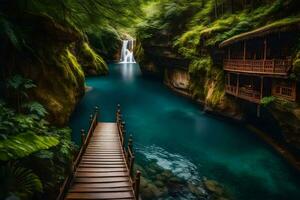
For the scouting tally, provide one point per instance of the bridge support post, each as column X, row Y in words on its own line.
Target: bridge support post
column 137, row 185
column 130, row 156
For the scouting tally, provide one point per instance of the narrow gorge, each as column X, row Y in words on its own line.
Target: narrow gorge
column 150, row 99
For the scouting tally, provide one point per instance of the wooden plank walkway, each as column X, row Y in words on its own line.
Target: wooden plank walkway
column 103, row 168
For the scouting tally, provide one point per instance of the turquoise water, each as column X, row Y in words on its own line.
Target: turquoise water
column 174, row 134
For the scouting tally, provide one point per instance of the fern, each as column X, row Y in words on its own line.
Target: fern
column 18, row 182
column 18, row 82
column 8, row 29
column 24, row 144
column 35, row 108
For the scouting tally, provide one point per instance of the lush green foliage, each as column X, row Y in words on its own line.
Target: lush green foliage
column 24, row 144
column 18, row 87
column 296, row 67
column 30, row 139
column 43, row 152
column 18, row 182
column 106, row 40
column 22, row 134
column 91, row 61
column 266, row 101
column 194, row 29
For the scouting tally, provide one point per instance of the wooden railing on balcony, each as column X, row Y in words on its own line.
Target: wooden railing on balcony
column 285, row 92
column 244, row 93
column 272, row 67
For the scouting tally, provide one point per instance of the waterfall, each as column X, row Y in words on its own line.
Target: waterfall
column 127, row 52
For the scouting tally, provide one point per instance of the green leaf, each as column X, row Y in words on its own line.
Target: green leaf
column 35, row 108
column 19, row 181
column 266, row 101
column 25, row 144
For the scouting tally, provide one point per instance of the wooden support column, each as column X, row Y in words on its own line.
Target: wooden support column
column 137, row 185
column 258, row 110
column 261, row 95
column 261, row 86
column 265, row 49
column 265, row 53
column 245, row 50
column 228, row 79
column 229, row 53
column 237, row 85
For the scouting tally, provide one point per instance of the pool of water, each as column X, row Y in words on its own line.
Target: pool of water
column 172, row 133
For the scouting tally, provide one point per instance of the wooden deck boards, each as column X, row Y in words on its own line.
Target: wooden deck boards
column 102, row 171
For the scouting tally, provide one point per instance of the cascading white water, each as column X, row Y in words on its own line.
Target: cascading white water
column 127, row 52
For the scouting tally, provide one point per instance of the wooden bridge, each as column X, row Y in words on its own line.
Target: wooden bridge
column 103, row 168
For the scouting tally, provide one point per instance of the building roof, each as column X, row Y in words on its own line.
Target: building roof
column 283, row 25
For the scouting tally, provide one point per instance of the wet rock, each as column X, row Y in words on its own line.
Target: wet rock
column 150, row 191
column 159, row 183
column 88, row 88
column 213, row 186
column 197, row 190
column 92, row 72
column 215, row 189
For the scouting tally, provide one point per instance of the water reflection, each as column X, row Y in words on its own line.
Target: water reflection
column 127, row 71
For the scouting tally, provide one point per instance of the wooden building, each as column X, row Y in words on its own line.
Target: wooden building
column 258, row 63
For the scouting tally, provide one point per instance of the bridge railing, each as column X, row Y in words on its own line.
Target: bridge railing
column 85, row 138
column 129, row 154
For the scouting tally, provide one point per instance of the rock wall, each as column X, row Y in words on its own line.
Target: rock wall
column 177, row 78
column 51, row 59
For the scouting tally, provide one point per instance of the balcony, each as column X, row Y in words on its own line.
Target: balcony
column 270, row 67
column 244, row 93
column 284, row 92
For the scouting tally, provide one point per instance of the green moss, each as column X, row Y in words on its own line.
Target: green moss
column 138, row 51
column 214, row 87
column 204, row 31
column 296, row 66
column 60, row 93
column 202, row 64
column 91, row 62
column 207, row 81
column 266, row 101
column 72, row 67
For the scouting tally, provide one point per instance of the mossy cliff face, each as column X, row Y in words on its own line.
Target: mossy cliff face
column 52, row 66
column 60, row 84
column 56, row 57
column 92, row 63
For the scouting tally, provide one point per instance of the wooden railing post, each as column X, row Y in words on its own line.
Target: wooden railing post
column 130, row 143
column 118, row 117
column 137, row 185
column 91, row 119
column 122, row 126
column 82, row 137
column 131, row 165
column 123, row 137
column 130, row 155
column 97, row 112
column 123, row 130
